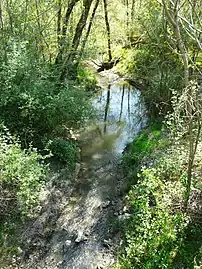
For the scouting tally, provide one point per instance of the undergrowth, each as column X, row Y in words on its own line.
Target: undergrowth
column 66, row 151
column 22, row 178
column 34, row 105
column 157, row 234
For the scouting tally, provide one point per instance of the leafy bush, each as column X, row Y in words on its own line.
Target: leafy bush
column 157, row 233
column 66, row 151
column 32, row 105
column 153, row 233
column 21, row 178
column 157, row 69
column 190, row 254
column 86, row 78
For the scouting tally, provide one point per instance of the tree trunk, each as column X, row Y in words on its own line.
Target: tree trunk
column 107, row 109
column 132, row 17
column 174, row 20
column 81, row 24
column 89, row 28
column 40, row 38
column 127, row 19
column 108, row 30
column 9, row 15
column 122, row 99
column 68, row 66
column 61, row 44
column 132, row 11
column 25, row 16
column 2, row 32
column 59, row 19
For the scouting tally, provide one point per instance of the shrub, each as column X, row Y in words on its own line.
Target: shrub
column 153, row 233
column 66, row 151
column 158, row 70
column 156, row 231
column 21, row 177
column 32, row 105
column 86, row 78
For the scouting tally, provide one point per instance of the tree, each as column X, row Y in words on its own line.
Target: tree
column 62, row 34
column 89, row 27
column 173, row 10
column 108, row 30
column 68, row 66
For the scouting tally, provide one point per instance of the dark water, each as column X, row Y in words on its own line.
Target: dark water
column 122, row 113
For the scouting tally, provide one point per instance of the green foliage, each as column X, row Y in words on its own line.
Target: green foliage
column 86, row 78
column 153, row 233
column 158, row 70
column 143, row 145
column 8, row 238
column 152, row 61
column 145, row 142
column 21, row 179
column 158, row 234
column 22, row 176
column 190, row 253
column 177, row 121
column 66, row 151
column 31, row 104
column 37, row 107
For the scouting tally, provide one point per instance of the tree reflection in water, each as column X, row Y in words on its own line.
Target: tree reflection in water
column 122, row 114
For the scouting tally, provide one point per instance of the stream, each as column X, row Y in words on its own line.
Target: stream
column 121, row 113
column 74, row 227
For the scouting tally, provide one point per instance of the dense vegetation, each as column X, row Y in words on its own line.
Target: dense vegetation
column 44, row 95
column 172, row 239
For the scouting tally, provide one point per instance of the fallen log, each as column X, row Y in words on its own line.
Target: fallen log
column 107, row 65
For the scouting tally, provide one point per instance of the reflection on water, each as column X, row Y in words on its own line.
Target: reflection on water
column 122, row 114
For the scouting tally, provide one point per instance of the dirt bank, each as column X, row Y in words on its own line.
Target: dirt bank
column 75, row 223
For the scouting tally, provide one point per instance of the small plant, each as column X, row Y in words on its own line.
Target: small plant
column 86, row 78
column 66, row 151
column 155, row 232
column 185, row 127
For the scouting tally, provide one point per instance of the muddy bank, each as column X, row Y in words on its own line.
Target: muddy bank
column 75, row 225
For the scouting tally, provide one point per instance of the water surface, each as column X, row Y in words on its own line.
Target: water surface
column 121, row 112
